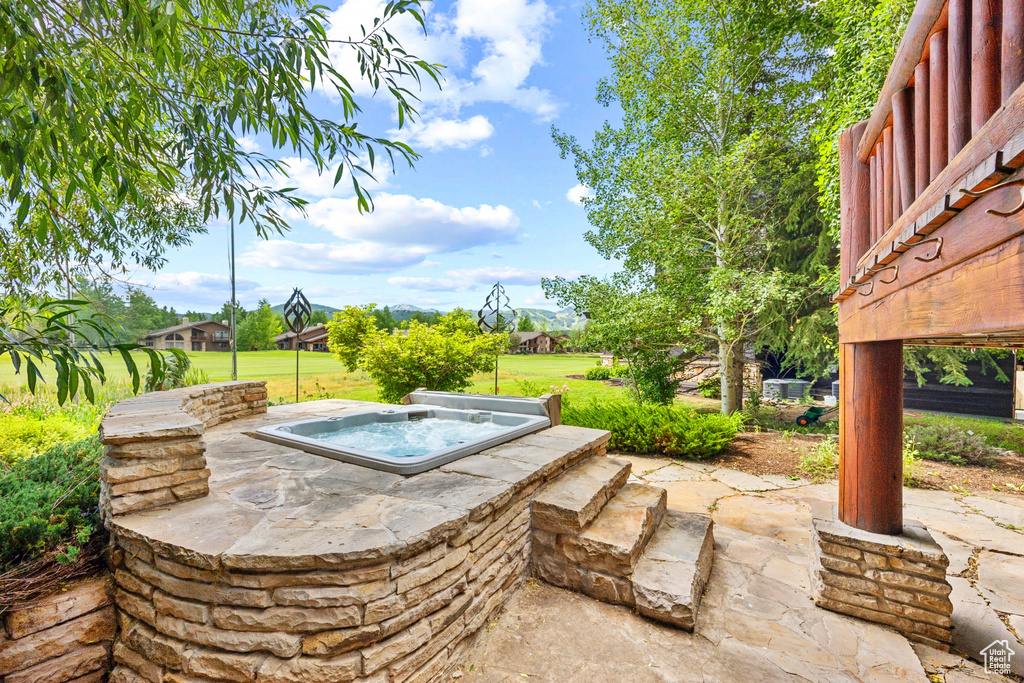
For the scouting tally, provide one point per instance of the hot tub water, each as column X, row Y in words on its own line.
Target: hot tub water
column 417, row 437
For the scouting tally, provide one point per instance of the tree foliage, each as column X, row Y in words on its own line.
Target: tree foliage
column 715, row 99
column 439, row 357
column 257, row 330
column 122, row 126
column 525, row 324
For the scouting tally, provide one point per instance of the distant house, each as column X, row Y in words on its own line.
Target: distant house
column 535, row 342
column 562, row 343
column 202, row 335
column 311, row 339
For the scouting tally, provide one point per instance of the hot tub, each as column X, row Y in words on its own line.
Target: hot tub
column 436, row 428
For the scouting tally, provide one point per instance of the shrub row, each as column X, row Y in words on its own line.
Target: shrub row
column 601, row 372
column 670, row 430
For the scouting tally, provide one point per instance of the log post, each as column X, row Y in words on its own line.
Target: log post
column 922, row 132
column 986, row 56
column 854, row 202
column 871, row 436
column 958, row 74
column 937, row 103
column 1012, row 46
column 888, row 178
column 903, row 149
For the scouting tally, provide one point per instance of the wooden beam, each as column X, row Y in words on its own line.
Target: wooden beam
column 854, row 201
column 926, row 13
column 903, row 148
column 1012, row 47
column 958, row 71
column 922, row 134
column 986, row 55
column 871, row 436
column 937, row 307
column 937, row 102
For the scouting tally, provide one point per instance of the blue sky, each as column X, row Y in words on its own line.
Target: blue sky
column 490, row 198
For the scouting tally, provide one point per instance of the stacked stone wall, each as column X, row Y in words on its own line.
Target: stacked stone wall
column 899, row 581
column 66, row 636
column 188, row 618
column 153, row 448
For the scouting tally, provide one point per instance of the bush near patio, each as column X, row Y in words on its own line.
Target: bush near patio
column 669, row 430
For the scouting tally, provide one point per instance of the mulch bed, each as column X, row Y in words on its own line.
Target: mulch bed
column 40, row 577
column 776, row 453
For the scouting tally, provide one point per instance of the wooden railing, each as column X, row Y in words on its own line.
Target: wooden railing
column 959, row 62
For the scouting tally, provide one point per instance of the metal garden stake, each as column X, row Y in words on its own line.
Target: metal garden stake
column 494, row 318
column 297, row 313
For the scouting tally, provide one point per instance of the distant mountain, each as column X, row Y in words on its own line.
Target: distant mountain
column 316, row 307
column 565, row 319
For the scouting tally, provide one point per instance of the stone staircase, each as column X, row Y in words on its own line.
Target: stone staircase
column 614, row 541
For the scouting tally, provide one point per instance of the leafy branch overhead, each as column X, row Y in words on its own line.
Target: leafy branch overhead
column 120, row 123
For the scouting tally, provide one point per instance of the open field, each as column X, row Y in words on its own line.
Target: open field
column 322, row 376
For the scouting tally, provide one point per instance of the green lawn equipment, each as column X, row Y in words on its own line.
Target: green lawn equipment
column 814, row 414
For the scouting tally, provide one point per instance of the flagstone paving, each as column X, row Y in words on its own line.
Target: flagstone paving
column 757, row 620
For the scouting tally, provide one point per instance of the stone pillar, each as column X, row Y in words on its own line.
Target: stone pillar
column 871, row 436
column 899, row 581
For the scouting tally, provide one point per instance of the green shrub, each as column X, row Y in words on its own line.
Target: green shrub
column 670, row 430
column 601, row 372
column 947, row 442
column 26, row 436
column 711, row 388
column 49, row 503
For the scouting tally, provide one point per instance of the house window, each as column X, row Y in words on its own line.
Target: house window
column 174, row 341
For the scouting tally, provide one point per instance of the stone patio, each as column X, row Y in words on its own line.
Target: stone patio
column 757, row 620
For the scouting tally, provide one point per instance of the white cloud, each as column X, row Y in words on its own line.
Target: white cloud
column 193, row 289
column 538, row 299
column 353, row 257
column 508, row 275
column 248, row 144
column 490, row 49
column 577, row 193
column 440, row 133
column 402, row 231
column 427, row 264
column 309, row 182
column 404, row 220
column 537, row 205
column 429, row 284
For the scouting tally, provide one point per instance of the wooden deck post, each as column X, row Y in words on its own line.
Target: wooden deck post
column 871, row 436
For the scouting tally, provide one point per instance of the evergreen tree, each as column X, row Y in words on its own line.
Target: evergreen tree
column 525, row 324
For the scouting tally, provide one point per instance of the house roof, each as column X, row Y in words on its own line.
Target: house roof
column 181, row 328
column 529, row 336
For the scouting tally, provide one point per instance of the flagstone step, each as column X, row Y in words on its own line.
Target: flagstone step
column 612, row 543
column 673, row 569
column 572, row 501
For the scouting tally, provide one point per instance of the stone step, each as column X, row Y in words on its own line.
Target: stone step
column 673, row 569
column 570, row 502
column 612, row 543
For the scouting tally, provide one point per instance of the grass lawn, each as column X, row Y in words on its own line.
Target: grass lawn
column 322, row 376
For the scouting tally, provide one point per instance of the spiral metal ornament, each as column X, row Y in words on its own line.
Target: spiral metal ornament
column 496, row 315
column 297, row 312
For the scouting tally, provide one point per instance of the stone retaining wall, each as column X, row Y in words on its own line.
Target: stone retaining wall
column 899, row 581
column 407, row 618
column 66, row 636
column 153, row 448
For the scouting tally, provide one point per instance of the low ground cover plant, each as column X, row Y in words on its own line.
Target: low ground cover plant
column 49, row 504
column 1006, row 435
column 31, row 426
column 670, row 430
column 940, row 439
column 821, row 463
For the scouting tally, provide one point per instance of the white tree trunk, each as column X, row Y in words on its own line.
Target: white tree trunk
column 730, row 368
